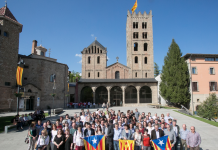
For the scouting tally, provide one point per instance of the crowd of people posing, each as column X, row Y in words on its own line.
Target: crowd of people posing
column 68, row 132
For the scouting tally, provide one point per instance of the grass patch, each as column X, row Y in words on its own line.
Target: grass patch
column 201, row 119
column 168, row 107
column 4, row 122
column 46, row 114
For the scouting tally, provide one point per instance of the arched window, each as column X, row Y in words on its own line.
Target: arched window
column 117, row 75
column 135, row 46
column 98, row 74
column 98, row 59
column 98, row 50
column 136, row 59
column 51, row 79
column 89, row 60
column 42, row 53
column 145, row 60
column 29, row 91
column 95, row 49
column 136, row 74
column 146, row 75
column 89, row 50
column 145, row 46
column 89, row 74
column 101, row 51
column 92, row 49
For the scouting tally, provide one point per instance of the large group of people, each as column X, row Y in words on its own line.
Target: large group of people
column 67, row 132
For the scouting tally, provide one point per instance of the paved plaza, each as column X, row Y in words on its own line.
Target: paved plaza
column 15, row 140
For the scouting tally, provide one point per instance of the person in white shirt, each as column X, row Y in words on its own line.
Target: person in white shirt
column 53, row 134
column 155, row 116
column 78, row 139
column 167, row 117
column 43, row 140
column 96, row 111
column 83, row 118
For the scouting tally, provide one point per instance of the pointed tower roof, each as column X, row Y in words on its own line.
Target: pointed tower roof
column 5, row 12
column 97, row 43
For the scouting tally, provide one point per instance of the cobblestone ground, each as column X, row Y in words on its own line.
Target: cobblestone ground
column 15, row 140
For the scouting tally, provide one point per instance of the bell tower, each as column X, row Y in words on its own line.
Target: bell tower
column 139, row 43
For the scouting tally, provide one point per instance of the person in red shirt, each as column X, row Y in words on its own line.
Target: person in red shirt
column 146, row 140
column 58, row 126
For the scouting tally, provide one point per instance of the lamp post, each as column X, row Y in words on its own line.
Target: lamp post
column 54, row 88
column 21, row 62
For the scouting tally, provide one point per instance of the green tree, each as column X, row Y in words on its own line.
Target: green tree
column 73, row 75
column 209, row 108
column 156, row 70
column 175, row 83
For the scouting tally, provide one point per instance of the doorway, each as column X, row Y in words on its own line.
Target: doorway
column 116, row 96
column 30, row 103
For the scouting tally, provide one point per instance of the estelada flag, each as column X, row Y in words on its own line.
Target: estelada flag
column 68, row 87
column 96, row 142
column 162, row 143
column 134, row 6
column 19, row 75
column 126, row 144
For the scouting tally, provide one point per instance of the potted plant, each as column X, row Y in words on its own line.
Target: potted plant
column 53, row 94
column 18, row 94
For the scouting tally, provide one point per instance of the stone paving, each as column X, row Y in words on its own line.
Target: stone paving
column 15, row 140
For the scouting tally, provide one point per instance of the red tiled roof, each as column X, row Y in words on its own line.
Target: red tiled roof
column 4, row 11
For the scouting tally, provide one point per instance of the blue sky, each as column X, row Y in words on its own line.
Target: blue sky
column 68, row 26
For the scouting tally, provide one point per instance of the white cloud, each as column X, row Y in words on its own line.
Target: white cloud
column 92, row 35
column 80, row 62
column 79, row 55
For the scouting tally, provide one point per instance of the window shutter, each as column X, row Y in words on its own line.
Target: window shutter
column 215, row 86
column 193, row 86
column 210, row 86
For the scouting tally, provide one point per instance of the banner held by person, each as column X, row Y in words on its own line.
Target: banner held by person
column 126, row 144
column 96, row 142
column 162, row 143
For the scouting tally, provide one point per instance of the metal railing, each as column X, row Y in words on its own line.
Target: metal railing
column 183, row 107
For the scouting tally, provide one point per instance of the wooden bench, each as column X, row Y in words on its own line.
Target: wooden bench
column 9, row 126
column 154, row 105
column 58, row 110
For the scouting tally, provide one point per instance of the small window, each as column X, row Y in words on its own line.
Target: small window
column 89, row 74
column 98, row 59
column 146, row 75
column 7, row 83
column 212, row 71
column 0, row 32
column 144, row 25
column 135, row 46
column 98, row 74
column 213, row 86
column 29, row 91
column 101, row 51
column 136, row 59
column 25, row 66
column 145, row 61
column 144, row 35
column 117, row 75
column 209, row 59
column 89, row 50
column 145, row 46
column 42, row 53
column 25, row 78
column 6, row 34
column 194, row 86
column 89, row 60
column 52, row 78
column 136, row 74
column 194, row 70
column 198, row 100
column 98, row 50
column 135, row 35
column 135, row 25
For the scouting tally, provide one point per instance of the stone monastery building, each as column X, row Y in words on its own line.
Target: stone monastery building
column 130, row 85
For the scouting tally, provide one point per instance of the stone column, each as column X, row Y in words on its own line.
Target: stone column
column 93, row 89
column 109, row 93
column 123, row 89
column 138, row 92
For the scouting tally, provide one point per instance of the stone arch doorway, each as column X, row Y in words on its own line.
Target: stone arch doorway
column 86, row 94
column 116, row 97
column 145, row 95
column 130, row 94
column 101, row 95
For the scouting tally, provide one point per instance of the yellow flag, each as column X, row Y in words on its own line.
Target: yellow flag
column 134, row 6
column 126, row 144
column 68, row 87
column 19, row 75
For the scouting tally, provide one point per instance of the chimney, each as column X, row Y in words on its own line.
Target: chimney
column 33, row 47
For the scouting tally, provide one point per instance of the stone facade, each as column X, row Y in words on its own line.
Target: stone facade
column 10, row 30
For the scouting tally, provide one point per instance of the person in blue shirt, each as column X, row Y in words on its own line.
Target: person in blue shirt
column 117, row 136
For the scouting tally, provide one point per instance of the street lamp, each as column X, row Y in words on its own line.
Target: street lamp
column 54, row 88
column 21, row 62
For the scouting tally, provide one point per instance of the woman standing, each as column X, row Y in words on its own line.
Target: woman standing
column 126, row 133
column 146, row 141
column 66, row 126
column 53, row 134
column 149, row 128
column 43, row 140
column 99, row 131
column 32, row 135
column 78, row 139
column 138, row 139
column 59, row 141
column 145, row 124
column 141, row 129
column 68, row 140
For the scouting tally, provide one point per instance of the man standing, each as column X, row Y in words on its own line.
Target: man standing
column 171, row 135
column 109, row 133
column 137, row 114
column 88, row 131
column 156, row 133
column 117, row 136
column 166, row 118
column 193, row 139
column 176, row 130
column 183, row 134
